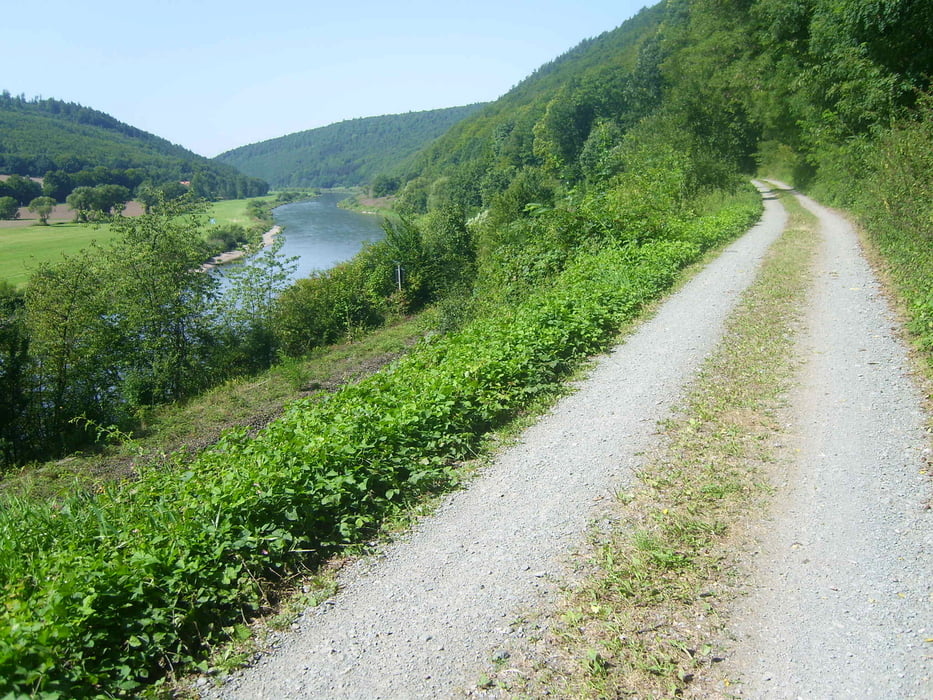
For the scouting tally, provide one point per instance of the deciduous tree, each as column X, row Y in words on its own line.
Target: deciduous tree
column 42, row 207
column 9, row 208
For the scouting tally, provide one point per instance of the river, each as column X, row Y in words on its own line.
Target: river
column 321, row 234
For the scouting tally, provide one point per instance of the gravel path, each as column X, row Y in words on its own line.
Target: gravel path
column 840, row 603
column 425, row 618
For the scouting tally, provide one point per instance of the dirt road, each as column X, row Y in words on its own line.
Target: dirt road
column 842, row 577
column 427, row 617
column 840, row 603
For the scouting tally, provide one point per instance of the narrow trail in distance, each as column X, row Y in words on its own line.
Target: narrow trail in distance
column 426, row 617
column 840, row 601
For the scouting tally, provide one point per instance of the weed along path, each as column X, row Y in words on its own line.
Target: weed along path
column 432, row 612
column 841, row 593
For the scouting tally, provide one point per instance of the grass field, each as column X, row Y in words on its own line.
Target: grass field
column 24, row 244
column 232, row 211
column 22, row 248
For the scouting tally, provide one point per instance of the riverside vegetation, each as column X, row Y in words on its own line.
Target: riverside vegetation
column 536, row 228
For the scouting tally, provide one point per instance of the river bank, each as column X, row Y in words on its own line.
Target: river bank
column 267, row 238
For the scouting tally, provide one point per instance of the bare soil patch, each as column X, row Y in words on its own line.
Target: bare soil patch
column 61, row 213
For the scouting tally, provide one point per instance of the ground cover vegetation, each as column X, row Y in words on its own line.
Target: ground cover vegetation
column 536, row 228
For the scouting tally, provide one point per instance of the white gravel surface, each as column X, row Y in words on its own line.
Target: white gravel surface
column 840, row 602
column 425, row 618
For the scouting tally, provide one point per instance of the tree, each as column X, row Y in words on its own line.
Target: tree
column 109, row 198
column 14, row 345
column 405, row 244
column 57, row 184
column 22, row 189
column 9, row 208
column 248, row 303
column 42, row 206
column 93, row 203
column 161, row 303
column 385, row 185
column 71, row 343
column 81, row 200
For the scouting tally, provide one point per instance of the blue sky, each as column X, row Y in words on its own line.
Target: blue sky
column 212, row 75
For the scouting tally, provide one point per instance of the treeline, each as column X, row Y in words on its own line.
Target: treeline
column 833, row 96
column 42, row 136
column 93, row 338
column 345, row 154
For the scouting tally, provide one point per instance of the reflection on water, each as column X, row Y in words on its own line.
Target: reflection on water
column 321, row 234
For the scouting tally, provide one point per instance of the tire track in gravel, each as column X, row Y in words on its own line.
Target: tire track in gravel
column 840, row 594
column 425, row 617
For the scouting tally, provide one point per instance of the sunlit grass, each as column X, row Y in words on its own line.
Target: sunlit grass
column 23, row 248
column 233, row 211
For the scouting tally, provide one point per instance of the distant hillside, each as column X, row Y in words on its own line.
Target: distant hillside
column 38, row 136
column 348, row 153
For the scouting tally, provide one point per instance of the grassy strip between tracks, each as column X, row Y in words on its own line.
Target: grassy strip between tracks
column 643, row 621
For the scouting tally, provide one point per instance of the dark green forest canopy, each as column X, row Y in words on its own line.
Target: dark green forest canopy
column 348, row 153
column 38, row 136
column 800, row 85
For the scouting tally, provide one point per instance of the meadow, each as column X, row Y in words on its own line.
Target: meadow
column 25, row 244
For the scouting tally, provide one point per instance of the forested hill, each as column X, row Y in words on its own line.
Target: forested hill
column 808, row 89
column 39, row 136
column 347, row 153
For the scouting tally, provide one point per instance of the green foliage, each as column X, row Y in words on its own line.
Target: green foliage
column 160, row 303
column 42, row 207
column 348, row 153
column 69, row 350
column 546, row 119
column 896, row 203
column 84, row 147
column 113, row 329
column 384, row 185
column 334, row 304
column 248, row 305
column 14, row 346
column 96, row 203
column 20, row 188
column 104, row 592
column 224, row 237
column 9, row 208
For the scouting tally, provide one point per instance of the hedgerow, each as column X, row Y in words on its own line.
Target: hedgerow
column 106, row 592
